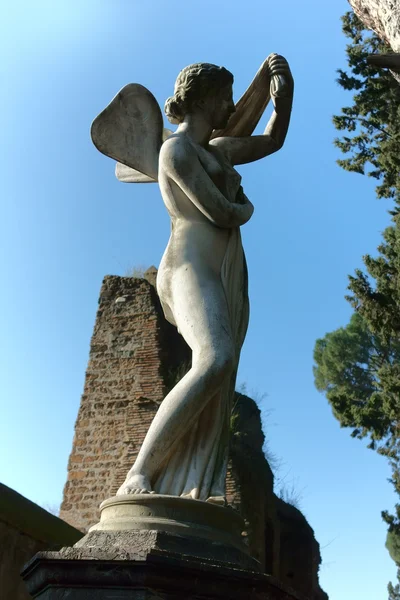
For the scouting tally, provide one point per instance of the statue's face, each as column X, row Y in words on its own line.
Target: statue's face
column 222, row 107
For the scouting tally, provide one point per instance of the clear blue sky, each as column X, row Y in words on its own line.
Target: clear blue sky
column 66, row 222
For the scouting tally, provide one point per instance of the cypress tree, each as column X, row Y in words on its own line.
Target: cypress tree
column 358, row 366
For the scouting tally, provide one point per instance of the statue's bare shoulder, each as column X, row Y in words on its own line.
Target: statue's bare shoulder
column 181, row 157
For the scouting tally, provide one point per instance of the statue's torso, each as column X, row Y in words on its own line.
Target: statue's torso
column 195, row 243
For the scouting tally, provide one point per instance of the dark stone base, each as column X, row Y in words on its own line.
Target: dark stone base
column 147, row 571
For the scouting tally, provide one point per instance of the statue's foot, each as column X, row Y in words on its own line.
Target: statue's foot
column 221, row 500
column 135, row 484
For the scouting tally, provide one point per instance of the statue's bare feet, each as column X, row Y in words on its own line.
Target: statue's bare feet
column 135, row 484
column 221, row 500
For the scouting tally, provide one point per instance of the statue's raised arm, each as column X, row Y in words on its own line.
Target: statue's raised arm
column 273, row 80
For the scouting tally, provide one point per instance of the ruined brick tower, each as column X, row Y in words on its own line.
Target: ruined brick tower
column 135, row 356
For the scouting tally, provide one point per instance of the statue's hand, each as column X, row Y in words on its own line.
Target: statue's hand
column 281, row 85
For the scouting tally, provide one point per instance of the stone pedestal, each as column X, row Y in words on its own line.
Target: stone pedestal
column 49, row 576
column 150, row 547
column 176, row 515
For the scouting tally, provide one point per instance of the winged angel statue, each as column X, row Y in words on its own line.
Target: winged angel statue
column 202, row 278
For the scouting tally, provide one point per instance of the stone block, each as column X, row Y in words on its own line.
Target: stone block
column 148, row 571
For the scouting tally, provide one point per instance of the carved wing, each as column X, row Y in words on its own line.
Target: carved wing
column 128, row 175
column 130, row 130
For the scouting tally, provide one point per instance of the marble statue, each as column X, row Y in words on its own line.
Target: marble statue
column 202, row 278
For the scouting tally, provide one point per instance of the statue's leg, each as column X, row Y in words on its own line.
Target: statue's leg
column 201, row 314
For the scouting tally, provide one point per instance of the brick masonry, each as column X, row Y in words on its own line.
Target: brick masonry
column 135, row 354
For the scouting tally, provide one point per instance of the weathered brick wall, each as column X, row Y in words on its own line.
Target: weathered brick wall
column 250, row 480
column 134, row 354
column 299, row 554
column 278, row 534
column 26, row 528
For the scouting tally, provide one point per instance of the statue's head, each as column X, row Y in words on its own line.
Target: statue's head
column 205, row 87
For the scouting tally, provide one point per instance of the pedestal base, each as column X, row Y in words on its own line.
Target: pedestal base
column 55, row 576
column 183, row 517
column 150, row 547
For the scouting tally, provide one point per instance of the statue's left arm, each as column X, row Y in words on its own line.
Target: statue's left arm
column 240, row 150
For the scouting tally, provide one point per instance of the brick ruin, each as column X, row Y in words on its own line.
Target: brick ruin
column 136, row 356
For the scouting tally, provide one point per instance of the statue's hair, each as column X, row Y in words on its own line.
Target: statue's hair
column 194, row 83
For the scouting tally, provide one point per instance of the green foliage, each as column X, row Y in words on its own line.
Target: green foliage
column 394, row 590
column 353, row 367
column 393, row 543
column 358, row 366
column 373, row 120
column 379, row 304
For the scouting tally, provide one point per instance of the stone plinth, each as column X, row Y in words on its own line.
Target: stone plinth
column 141, row 525
column 181, row 517
column 148, row 546
column 150, row 565
column 156, row 577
